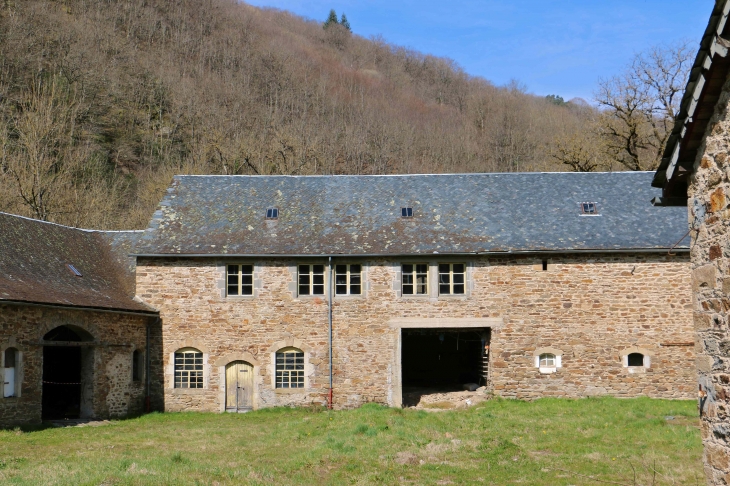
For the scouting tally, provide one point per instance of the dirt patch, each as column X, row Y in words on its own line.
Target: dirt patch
column 433, row 400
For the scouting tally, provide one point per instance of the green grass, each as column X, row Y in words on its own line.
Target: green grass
column 545, row 442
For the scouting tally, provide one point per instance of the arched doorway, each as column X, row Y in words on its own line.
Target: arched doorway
column 67, row 374
column 239, row 386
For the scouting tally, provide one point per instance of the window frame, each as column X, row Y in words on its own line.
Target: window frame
column 348, row 274
column 451, row 273
column 541, row 355
column 310, row 274
column 414, row 283
column 16, row 372
column 200, row 373
column 240, row 278
column 298, row 373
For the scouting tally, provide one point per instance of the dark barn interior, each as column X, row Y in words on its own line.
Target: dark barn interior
column 443, row 360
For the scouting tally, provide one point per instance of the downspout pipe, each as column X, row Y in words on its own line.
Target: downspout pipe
column 329, row 320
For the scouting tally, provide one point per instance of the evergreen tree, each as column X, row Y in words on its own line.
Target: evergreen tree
column 331, row 19
column 345, row 23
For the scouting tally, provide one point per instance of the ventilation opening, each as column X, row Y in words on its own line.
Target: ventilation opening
column 442, row 360
column 74, row 270
column 636, row 359
column 544, row 265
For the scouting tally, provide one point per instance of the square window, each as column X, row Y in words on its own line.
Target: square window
column 348, row 279
column 272, row 213
column 239, row 280
column 311, row 280
column 414, row 279
column 406, row 212
column 452, row 279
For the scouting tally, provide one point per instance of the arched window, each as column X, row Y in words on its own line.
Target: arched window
column 547, row 360
column 10, row 372
column 636, row 359
column 188, row 368
column 290, row 368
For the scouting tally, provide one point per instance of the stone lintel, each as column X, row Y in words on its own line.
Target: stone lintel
column 445, row 322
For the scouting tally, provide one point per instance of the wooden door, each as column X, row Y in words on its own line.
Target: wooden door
column 239, row 386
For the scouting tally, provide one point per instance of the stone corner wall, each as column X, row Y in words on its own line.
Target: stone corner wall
column 709, row 217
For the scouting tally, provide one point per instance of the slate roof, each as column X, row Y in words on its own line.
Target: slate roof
column 453, row 214
column 33, row 259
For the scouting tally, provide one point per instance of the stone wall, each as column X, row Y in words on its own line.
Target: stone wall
column 710, row 220
column 116, row 336
column 592, row 308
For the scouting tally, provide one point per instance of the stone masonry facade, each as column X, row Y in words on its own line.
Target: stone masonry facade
column 709, row 216
column 591, row 309
column 116, row 336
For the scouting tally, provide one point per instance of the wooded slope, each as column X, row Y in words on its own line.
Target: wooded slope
column 104, row 100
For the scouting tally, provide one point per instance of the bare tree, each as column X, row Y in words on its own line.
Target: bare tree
column 641, row 103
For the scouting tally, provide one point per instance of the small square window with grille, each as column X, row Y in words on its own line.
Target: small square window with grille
column 414, row 279
column 348, row 279
column 406, row 212
column 239, row 280
column 290, row 368
column 311, row 279
column 272, row 213
column 188, row 369
column 452, row 278
column 589, row 208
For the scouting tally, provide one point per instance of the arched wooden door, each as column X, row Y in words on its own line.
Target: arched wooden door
column 239, row 386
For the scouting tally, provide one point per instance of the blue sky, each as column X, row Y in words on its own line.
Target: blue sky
column 553, row 47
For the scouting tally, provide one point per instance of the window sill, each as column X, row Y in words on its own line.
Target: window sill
column 237, row 297
column 636, row 369
column 349, row 297
column 187, row 391
column 290, row 391
column 452, row 297
column 547, row 371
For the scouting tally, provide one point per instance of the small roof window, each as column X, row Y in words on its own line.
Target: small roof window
column 74, row 270
column 272, row 213
column 406, row 212
column 589, row 208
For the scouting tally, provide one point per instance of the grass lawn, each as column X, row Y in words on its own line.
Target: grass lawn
column 545, row 442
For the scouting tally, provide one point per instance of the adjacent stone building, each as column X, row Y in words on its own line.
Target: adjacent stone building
column 252, row 291
column 73, row 341
column 695, row 172
column 543, row 284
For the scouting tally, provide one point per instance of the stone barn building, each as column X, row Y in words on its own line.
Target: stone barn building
column 538, row 284
column 259, row 291
column 73, row 340
column 695, row 172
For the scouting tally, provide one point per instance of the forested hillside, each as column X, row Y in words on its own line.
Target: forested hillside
column 102, row 101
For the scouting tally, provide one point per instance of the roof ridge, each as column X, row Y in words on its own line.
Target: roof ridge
column 626, row 172
column 87, row 230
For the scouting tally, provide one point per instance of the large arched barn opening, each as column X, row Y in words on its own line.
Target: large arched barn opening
column 67, row 374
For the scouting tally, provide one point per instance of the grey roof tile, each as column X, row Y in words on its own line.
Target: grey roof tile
column 453, row 213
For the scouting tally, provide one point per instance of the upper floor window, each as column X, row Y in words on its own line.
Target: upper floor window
column 188, row 368
column 415, row 279
column 239, row 280
column 406, row 212
column 289, row 368
column 272, row 213
column 348, row 279
column 589, row 208
column 311, row 279
column 451, row 278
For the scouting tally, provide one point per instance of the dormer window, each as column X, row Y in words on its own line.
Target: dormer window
column 272, row 213
column 589, row 209
column 406, row 212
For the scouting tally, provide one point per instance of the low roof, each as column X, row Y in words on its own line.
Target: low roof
column 34, row 259
column 452, row 214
